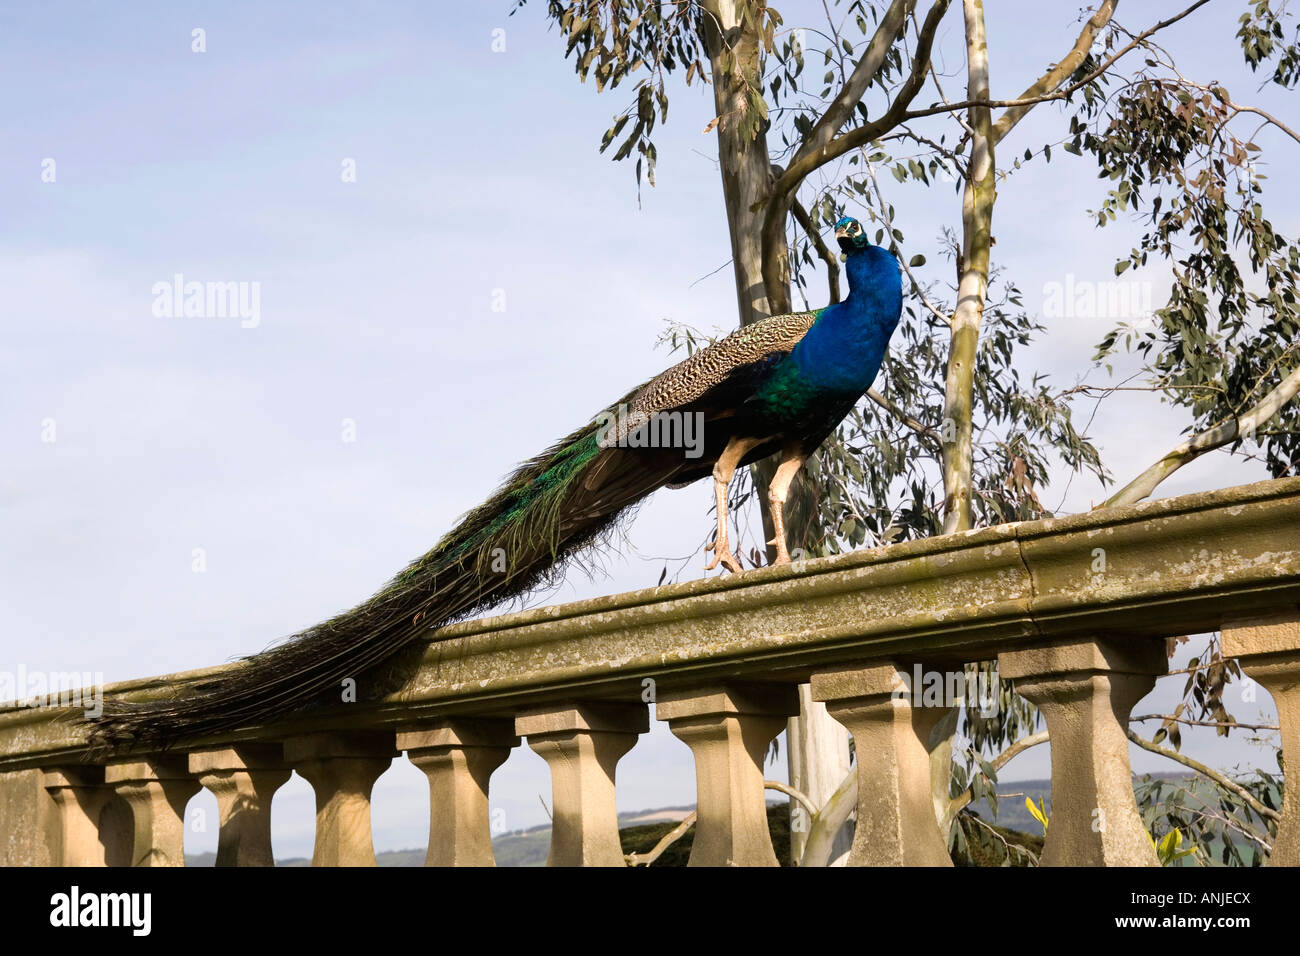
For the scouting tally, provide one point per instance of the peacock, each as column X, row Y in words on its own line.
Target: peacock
column 779, row 386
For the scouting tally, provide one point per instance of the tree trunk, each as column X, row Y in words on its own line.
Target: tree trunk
column 732, row 40
column 818, row 748
column 973, row 282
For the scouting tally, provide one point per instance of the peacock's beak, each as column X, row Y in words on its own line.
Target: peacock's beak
column 848, row 236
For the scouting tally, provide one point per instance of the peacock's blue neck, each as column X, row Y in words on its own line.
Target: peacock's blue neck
column 843, row 350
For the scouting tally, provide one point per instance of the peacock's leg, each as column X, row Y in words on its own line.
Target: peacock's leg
column 792, row 459
column 723, row 470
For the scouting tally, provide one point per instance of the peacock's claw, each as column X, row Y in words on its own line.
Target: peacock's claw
column 723, row 556
column 782, row 553
column 727, row 560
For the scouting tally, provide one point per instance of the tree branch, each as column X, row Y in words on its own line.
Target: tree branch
column 806, row 162
column 1221, row 434
column 826, row 822
column 1221, row 779
column 1219, row 91
column 963, row 799
column 823, row 250
column 791, row 792
column 1059, row 73
column 1231, row 724
column 889, row 31
column 667, row 840
column 1058, row 94
column 919, row 427
column 1008, row 848
column 1269, row 117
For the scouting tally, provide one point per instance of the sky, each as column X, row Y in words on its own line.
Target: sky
column 449, row 276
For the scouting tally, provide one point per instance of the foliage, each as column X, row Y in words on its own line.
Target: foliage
column 1228, row 333
column 977, row 842
column 613, row 41
column 1169, row 848
column 1217, row 824
column 1208, row 676
column 1039, row 812
column 1263, row 36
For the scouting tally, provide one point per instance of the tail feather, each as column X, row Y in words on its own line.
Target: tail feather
column 548, row 510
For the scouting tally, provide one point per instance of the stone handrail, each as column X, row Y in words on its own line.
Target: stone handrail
column 1076, row 611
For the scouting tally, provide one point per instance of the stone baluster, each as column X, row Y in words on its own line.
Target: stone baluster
column 1268, row 650
column 582, row 744
column 459, row 755
column 243, row 778
column 342, row 769
column 156, row 790
column 1085, row 690
column 728, row 728
column 896, row 824
column 79, row 795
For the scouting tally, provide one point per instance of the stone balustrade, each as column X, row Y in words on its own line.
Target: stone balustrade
column 1076, row 611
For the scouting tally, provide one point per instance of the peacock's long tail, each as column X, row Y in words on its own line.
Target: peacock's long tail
column 552, row 507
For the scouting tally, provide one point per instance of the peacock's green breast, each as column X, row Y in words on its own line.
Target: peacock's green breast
column 789, row 401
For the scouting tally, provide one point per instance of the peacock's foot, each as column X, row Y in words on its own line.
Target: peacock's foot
column 722, row 556
column 782, row 553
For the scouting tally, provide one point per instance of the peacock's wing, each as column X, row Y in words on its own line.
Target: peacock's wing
column 718, row 375
column 712, row 384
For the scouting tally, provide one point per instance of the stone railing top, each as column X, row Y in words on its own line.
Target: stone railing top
column 1156, row 569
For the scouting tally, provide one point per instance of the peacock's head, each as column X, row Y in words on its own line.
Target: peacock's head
column 851, row 236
